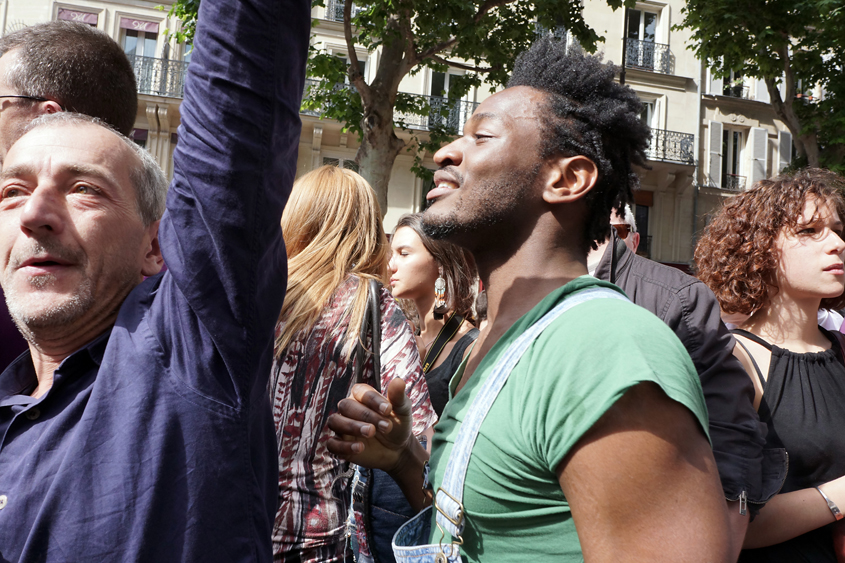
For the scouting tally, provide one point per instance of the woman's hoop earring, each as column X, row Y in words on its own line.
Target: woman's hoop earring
column 440, row 296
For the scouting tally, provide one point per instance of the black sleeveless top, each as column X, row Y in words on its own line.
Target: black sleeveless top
column 438, row 378
column 803, row 407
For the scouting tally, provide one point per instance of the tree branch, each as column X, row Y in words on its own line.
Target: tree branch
column 354, row 72
column 408, row 36
column 482, row 11
column 463, row 66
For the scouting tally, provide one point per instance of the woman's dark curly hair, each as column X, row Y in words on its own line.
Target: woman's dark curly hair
column 587, row 114
column 736, row 256
column 458, row 269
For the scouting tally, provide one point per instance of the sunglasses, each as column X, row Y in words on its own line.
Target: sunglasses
column 622, row 230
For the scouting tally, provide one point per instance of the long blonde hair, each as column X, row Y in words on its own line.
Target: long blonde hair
column 332, row 228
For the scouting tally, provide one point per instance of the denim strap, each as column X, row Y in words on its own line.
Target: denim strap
column 449, row 498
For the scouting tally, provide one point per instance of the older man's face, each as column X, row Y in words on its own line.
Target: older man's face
column 72, row 243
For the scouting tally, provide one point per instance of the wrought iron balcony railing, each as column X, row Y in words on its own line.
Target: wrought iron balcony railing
column 334, row 10
column 671, row 146
column 647, row 55
column 733, row 182
column 451, row 114
column 737, row 91
column 160, row 77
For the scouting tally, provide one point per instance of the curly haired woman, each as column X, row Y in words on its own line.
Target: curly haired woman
column 775, row 253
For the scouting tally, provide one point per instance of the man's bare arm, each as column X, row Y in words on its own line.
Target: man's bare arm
column 643, row 485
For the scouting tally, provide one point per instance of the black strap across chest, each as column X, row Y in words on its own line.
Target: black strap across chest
column 446, row 333
column 758, row 340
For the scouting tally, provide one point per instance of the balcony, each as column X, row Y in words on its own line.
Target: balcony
column 737, row 91
column 647, row 55
column 160, row 77
column 671, row 146
column 451, row 114
column 733, row 182
column 334, row 10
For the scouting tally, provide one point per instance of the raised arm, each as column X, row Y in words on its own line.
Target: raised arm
column 234, row 167
column 642, row 485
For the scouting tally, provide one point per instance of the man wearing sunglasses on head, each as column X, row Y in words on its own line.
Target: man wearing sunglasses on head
column 750, row 476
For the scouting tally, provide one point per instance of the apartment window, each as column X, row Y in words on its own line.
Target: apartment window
column 139, row 37
column 642, row 49
column 642, row 25
column 444, row 112
column 139, row 137
column 733, row 145
column 648, row 114
column 734, row 85
column 347, row 163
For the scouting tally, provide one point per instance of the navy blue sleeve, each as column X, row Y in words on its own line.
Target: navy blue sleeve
column 234, row 166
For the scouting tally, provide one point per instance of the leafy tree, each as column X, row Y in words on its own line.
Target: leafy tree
column 794, row 42
column 481, row 37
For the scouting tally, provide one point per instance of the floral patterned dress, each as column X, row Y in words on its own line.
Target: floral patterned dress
column 308, row 380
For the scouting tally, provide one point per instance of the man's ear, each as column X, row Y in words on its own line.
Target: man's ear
column 49, row 106
column 153, row 260
column 569, row 179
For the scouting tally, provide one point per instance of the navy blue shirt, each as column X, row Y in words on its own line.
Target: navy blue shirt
column 156, row 441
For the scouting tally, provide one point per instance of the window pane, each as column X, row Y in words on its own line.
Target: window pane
column 634, row 24
column 649, row 26
column 150, row 40
column 438, row 84
column 130, row 42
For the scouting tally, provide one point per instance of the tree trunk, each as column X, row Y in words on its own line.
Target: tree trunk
column 807, row 143
column 379, row 149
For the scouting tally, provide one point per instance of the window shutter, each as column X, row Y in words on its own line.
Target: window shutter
column 716, row 84
column 762, row 94
column 758, row 142
column 784, row 151
column 714, row 166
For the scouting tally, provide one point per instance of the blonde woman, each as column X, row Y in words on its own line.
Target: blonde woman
column 336, row 243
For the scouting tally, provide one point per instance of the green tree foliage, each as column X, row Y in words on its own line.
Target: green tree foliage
column 795, row 42
column 480, row 37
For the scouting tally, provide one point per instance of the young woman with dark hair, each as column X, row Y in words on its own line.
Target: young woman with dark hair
column 419, row 265
column 776, row 253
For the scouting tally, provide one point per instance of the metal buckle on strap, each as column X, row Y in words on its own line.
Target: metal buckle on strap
column 460, row 518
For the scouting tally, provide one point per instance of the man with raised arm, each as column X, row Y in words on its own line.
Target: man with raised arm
column 51, row 67
column 596, row 446
column 138, row 426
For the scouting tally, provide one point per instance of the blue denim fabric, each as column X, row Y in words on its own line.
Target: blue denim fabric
column 156, row 441
column 389, row 509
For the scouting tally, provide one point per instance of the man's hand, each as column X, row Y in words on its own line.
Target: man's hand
column 373, row 431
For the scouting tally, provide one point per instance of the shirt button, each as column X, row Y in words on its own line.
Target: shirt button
column 33, row 413
column 3, row 500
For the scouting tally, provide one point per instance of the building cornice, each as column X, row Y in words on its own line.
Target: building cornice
column 647, row 78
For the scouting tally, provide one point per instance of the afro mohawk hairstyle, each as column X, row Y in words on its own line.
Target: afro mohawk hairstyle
column 588, row 114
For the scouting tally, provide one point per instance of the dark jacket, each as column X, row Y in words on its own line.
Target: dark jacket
column 690, row 309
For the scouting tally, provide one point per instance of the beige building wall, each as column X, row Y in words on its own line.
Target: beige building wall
column 681, row 98
column 743, row 140
column 666, row 77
